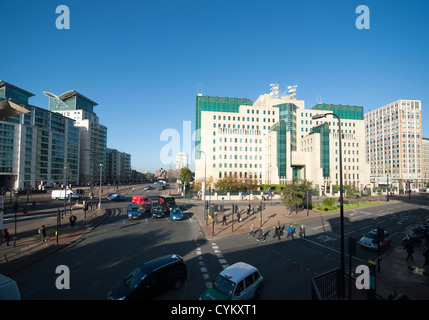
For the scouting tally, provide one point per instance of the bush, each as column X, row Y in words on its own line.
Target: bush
column 328, row 202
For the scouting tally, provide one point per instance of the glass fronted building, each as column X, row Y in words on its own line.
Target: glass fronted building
column 93, row 135
column 36, row 147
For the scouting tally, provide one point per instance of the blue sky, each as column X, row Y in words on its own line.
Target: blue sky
column 141, row 61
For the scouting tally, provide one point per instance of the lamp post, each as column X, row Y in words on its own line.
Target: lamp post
column 342, row 257
column 99, row 191
column 204, row 197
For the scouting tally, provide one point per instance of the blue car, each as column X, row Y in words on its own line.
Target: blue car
column 176, row 214
column 116, row 197
column 133, row 211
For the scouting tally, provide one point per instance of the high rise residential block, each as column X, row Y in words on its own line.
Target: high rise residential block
column 394, row 144
column 93, row 135
column 37, row 148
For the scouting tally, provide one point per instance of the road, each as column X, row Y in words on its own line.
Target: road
column 109, row 252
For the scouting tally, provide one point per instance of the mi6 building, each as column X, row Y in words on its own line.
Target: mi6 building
column 275, row 139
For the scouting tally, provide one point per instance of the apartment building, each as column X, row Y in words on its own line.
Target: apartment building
column 275, row 140
column 118, row 166
column 37, row 148
column 425, row 160
column 394, row 144
column 93, row 135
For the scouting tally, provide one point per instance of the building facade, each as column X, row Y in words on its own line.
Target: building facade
column 275, row 140
column 181, row 160
column 394, row 144
column 93, row 135
column 38, row 148
column 118, row 166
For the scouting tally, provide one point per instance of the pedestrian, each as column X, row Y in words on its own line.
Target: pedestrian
column 261, row 235
column 72, row 220
column 254, row 210
column 410, row 249
column 252, row 233
column 248, row 209
column 278, row 231
column 238, row 216
column 24, row 210
column 425, row 254
column 42, row 232
column 224, row 220
column 6, row 236
column 301, row 231
column 290, row 231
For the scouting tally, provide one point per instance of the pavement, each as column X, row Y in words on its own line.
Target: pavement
column 397, row 274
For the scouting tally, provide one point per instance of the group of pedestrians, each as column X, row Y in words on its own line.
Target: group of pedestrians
column 409, row 247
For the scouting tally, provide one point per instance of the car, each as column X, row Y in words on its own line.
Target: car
column 147, row 207
column 176, row 214
column 147, row 188
column 369, row 240
column 151, row 279
column 133, row 211
column 157, row 213
column 240, row 281
column 116, row 197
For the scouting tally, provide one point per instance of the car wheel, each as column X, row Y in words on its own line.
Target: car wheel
column 178, row 283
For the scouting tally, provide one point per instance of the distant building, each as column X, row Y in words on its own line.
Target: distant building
column 181, row 160
column 118, row 166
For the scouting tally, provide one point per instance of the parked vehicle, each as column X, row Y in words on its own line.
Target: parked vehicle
column 61, row 194
column 240, row 281
column 116, row 197
column 151, row 279
column 8, row 289
column 133, row 211
column 422, row 228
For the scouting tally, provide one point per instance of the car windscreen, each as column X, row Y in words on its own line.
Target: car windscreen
column 224, row 285
column 129, row 283
column 371, row 235
column 133, row 209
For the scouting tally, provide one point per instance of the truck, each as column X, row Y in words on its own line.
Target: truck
column 59, row 194
column 8, row 289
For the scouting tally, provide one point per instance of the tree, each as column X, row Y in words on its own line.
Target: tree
column 293, row 194
column 186, row 177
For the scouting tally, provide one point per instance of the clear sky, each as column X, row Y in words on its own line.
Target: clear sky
column 142, row 61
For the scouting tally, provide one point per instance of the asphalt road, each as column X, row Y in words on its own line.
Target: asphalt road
column 108, row 253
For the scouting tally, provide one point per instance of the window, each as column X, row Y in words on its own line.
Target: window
column 248, row 281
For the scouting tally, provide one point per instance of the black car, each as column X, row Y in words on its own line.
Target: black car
column 151, row 279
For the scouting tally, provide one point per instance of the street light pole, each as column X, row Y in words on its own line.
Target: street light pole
column 205, row 186
column 342, row 255
column 99, row 191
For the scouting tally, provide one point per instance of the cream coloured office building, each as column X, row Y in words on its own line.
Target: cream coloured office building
column 275, row 140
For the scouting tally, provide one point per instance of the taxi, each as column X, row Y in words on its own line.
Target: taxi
column 369, row 240
column 240, row 281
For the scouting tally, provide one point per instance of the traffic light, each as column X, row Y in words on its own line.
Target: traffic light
column 380, row 234
column 263, row 205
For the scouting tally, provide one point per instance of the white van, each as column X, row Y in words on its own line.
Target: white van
column 8, row 289
column 59, row 194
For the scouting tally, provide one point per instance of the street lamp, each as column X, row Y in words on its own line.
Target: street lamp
column 99, row 202
column 204, row 197
column 342, row 259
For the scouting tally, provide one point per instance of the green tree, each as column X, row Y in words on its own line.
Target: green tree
column 293, row 194
column 186, row 176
